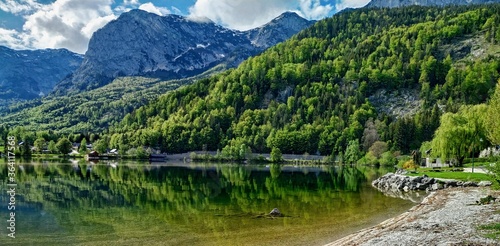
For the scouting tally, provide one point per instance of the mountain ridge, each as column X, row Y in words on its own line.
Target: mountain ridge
column 27, row 74
column 140, row 43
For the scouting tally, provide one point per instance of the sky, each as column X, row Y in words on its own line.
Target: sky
column 40, row 24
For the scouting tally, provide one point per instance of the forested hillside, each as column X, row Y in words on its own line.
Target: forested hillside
column 316, row 93
column 310, row 94
column 90, row 111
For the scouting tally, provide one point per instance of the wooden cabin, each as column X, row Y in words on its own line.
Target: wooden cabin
column 93, row 155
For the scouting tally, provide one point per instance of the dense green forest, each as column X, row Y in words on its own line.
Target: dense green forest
column 90, row 111
column 312, row 94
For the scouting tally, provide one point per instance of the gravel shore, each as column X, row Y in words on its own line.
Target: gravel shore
column 445, row 217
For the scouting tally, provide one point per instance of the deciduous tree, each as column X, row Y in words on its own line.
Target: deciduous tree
column 493, row 117
column 64, row 146
column 461, row 133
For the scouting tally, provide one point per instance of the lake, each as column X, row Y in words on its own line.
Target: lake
column 127, row 203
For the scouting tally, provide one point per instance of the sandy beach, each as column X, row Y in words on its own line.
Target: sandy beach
column 445, row 217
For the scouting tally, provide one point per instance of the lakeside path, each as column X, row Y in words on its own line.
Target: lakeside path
column 445, row 217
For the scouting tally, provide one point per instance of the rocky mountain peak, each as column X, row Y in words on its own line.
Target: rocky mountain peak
column 171, row 47
column 279, row 29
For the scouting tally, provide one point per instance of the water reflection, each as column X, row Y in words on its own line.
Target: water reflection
column 195, row 204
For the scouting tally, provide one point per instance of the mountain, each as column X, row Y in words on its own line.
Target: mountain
column 27, row 74
column 401, row 3
column 278, row 30
column 326, row 90
column 140, row 43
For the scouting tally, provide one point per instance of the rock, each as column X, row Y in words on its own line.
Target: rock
column 400, row 183
column 436, row 186
column 421, row 186
column 469, row 184
column 417, row 179
column 401, row 171
column 276, row 213
column 451, row 183
column 484, row 183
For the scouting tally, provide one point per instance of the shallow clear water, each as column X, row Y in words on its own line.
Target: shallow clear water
column 79, row 203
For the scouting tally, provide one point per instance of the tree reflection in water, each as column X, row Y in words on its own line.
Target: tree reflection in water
column 85, row 201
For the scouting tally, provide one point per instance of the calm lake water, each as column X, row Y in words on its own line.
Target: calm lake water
column 80, row 203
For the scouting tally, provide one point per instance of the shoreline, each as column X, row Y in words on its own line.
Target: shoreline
column 445, row 217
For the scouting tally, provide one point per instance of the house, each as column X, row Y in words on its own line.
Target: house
column 93, row 155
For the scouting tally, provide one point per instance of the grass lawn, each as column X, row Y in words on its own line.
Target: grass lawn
column 477, row 164
column 492, row 230
column 454, row 175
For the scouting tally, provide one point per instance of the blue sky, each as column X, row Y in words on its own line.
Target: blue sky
column 38, row 24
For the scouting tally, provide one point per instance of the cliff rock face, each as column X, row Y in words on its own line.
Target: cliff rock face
column 27, row 74
column 401, row 3
column 171, row 47
column 278, row 30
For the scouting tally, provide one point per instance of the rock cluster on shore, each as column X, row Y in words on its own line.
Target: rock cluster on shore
column 399, row 182
column 444, row 217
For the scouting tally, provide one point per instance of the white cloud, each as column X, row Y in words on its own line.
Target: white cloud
column 64, row 23
column 12, row 39
column 126, row 6
column 61, row 24
column 176, row 10
column 95, row 24
column 150, row 7
column 239, row 14
column 313, row 9
column 244, row 14
column 131, row 2
column 16, row 7
column 351, row 4
column 71, row 23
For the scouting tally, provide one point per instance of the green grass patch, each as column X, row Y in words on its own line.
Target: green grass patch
column 441, row 169
column 477, row 164
column 492, row 230
column 455, row 175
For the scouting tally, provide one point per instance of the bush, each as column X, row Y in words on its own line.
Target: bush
column 276, row 155
column 368, row 159
column 378, row 148
column 410, row 165
column 139, row 152
column 388, row 159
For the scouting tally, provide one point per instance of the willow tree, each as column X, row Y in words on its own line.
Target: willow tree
column 493, row 127
column 493, row 117
column 461, row 133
